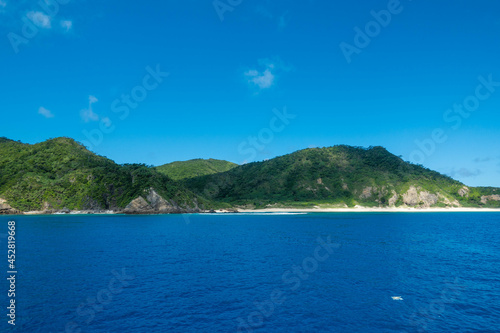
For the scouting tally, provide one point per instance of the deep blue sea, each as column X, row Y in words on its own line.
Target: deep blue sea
column 255, row 273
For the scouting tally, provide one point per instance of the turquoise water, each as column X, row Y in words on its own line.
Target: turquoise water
column 256, row 273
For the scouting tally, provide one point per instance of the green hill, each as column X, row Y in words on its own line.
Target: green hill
column 60, row 173
column 336, row 176
column 195, row 168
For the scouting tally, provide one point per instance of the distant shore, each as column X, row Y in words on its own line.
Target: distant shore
column 368, row 210
column 289, row 210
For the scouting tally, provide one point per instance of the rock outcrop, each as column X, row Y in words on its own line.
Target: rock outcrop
column 423, row 198
column 410, row 198
column 6, row 209
column 367, row 192
column 447, row 201
column 393, row 199
column 427, row 199
column 464, row 192
column 156, row 204
column 138, row 206
column 486, row 198
column 161, row 205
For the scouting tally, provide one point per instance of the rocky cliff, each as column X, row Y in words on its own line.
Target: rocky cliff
column 153, row 203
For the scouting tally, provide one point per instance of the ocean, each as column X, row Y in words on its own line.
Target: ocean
column 316, row 272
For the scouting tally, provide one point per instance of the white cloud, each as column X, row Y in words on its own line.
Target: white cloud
column 40, row 19
column 262, row 80
column 46, row 113
column 66, row 25
column 266, row 78
column 89, row 114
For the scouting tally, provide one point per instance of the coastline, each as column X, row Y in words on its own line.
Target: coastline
column 358, row 209
column 370, row 210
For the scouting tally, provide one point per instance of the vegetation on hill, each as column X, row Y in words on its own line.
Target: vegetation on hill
column 195, row 168
column 339, row 175
column 60, row 173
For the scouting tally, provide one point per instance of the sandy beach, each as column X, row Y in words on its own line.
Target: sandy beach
column 369, row 210
column 358, row 209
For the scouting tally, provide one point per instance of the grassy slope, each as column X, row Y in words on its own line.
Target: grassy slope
column 195, row 168
column 329, row 175
column 63, row 173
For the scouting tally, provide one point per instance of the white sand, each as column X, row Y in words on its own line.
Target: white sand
column 366, row 209
column 358, row 209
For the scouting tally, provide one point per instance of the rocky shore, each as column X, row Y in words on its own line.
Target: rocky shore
column 6, row 209
column 126, row 212
column 145, row 210
column 152, row 203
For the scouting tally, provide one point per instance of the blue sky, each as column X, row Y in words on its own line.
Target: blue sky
column 159, row 81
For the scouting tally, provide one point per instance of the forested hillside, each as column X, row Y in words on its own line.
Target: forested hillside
column 60, row 173
column 339, row 175
column 195, row 168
